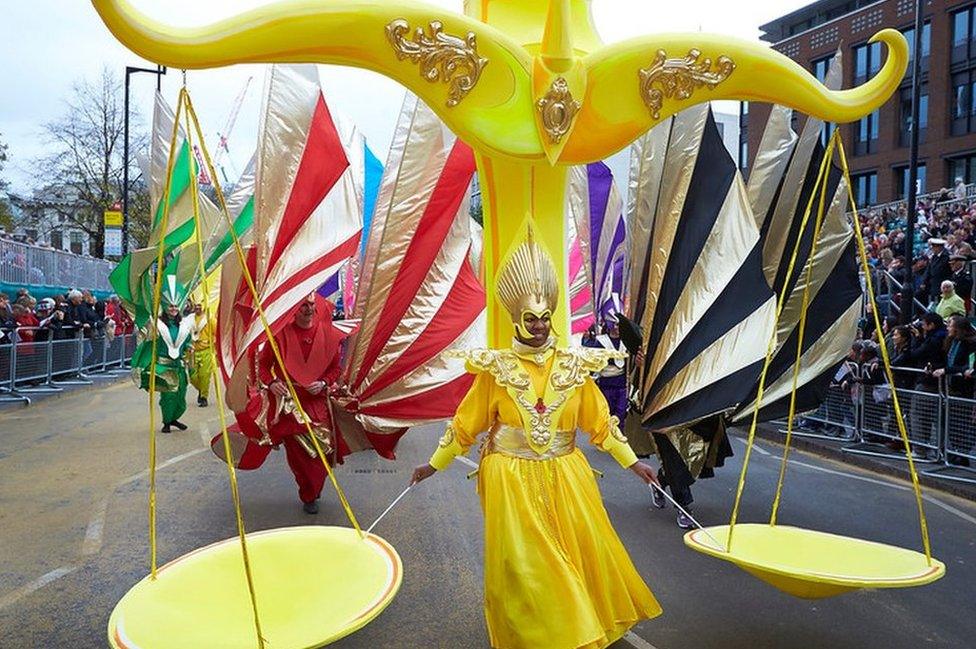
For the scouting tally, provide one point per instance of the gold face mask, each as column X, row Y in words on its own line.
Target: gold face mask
column 527, row 285
column 538, row 312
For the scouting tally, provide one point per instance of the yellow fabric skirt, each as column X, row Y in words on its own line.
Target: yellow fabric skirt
column 556, row 574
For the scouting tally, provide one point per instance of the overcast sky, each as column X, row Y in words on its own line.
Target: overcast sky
column 47, row 45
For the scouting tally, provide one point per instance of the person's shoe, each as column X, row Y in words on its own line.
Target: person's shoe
column 310, row 508
column 167, row 429
column 685, row 522
column 202, row 402
column 658, row 498
column 179, row 424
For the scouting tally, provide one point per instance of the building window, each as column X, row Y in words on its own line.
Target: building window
column 57, row 240
column 962, row 108
column 963, row 167
column 867, row 61
column 820, row 68
column 926, row 46
column 865, row 188
column 905, row 114
column 962, row 35
column 866, row 134
column 743, row 155
column 901, row 180
column 76, row 246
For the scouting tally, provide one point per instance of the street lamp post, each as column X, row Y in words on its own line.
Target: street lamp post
column 908, row 289
column 129, row 71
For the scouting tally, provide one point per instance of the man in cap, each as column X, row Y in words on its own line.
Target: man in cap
column 962, row 279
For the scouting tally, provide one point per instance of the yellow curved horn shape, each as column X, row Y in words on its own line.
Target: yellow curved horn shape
column 615, row 111
column 479, row 79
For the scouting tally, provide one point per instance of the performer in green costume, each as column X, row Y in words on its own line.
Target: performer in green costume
column 174, row 339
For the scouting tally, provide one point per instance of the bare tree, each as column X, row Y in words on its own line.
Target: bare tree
column 6, row 217
column 86, row 158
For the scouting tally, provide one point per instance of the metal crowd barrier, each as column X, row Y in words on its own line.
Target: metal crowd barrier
column 941, row 426
column 920, row 408
column 35, row 360
column 838, row 415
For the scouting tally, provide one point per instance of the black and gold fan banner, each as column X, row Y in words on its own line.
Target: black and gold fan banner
column 697, row 286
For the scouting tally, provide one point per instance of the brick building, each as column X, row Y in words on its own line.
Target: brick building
column 877, row 145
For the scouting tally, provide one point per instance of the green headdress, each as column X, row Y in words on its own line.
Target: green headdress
column 173, row 292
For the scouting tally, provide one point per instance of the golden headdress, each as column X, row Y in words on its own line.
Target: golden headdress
column 528, row 282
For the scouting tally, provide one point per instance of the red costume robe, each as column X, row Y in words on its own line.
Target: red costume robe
column 309, row 355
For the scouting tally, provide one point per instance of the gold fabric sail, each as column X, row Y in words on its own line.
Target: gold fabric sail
column 696, row 289
column 789, row 170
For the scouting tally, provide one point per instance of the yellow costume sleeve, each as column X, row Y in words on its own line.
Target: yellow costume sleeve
column 474, row 416
column 594, row 419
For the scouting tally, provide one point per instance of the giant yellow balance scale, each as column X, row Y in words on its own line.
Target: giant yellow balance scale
column 314, row 585
column 814, row 565
column 528, row 85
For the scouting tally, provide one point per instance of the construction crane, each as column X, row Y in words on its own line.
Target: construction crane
column 224, row 135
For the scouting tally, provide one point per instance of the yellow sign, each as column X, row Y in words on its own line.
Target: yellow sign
column 113, row 219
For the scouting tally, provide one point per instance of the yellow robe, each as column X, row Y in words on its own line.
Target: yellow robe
column 202, row 367
column 556, row 574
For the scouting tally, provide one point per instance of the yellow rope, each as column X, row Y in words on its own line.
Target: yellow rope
column 232, row 474
column 267, row 329
column 829, row 154
column 916, row 487
column 152, row 330
column 769, row 357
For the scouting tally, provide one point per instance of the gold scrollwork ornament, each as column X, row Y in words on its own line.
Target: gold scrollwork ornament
column 442, row 57
column 679, row 78
column 557, row 109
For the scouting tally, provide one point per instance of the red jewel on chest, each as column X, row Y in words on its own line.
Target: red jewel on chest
column 540, row 407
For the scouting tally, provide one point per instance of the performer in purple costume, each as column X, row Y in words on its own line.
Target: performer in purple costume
column 612, row 380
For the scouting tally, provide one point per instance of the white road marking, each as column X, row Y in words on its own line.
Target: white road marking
column 637, row 641
column 92, row 542
column 162, row 465
column 96, row 526
column 37, row 584
column 756, row 447
column 884, row 483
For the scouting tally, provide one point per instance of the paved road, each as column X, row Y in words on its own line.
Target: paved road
column 73, row 537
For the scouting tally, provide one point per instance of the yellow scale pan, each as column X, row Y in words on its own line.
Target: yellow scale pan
column 814, row 565
column 314, row 584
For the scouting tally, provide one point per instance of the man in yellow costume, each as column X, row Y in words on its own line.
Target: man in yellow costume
column 201, row 370
column 556, row 574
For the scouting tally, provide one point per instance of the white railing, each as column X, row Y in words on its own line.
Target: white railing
column 30, row 266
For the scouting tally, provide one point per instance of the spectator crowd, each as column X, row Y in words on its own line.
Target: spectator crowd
column 25, row 319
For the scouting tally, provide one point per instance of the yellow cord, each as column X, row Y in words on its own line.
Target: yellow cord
column 769, row 357
column 829, row 154
column 267, row 329
column 232, row 474
column 916, row 487
column 152, row 330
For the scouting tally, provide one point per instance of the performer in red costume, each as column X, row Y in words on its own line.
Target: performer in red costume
column 309, row 347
